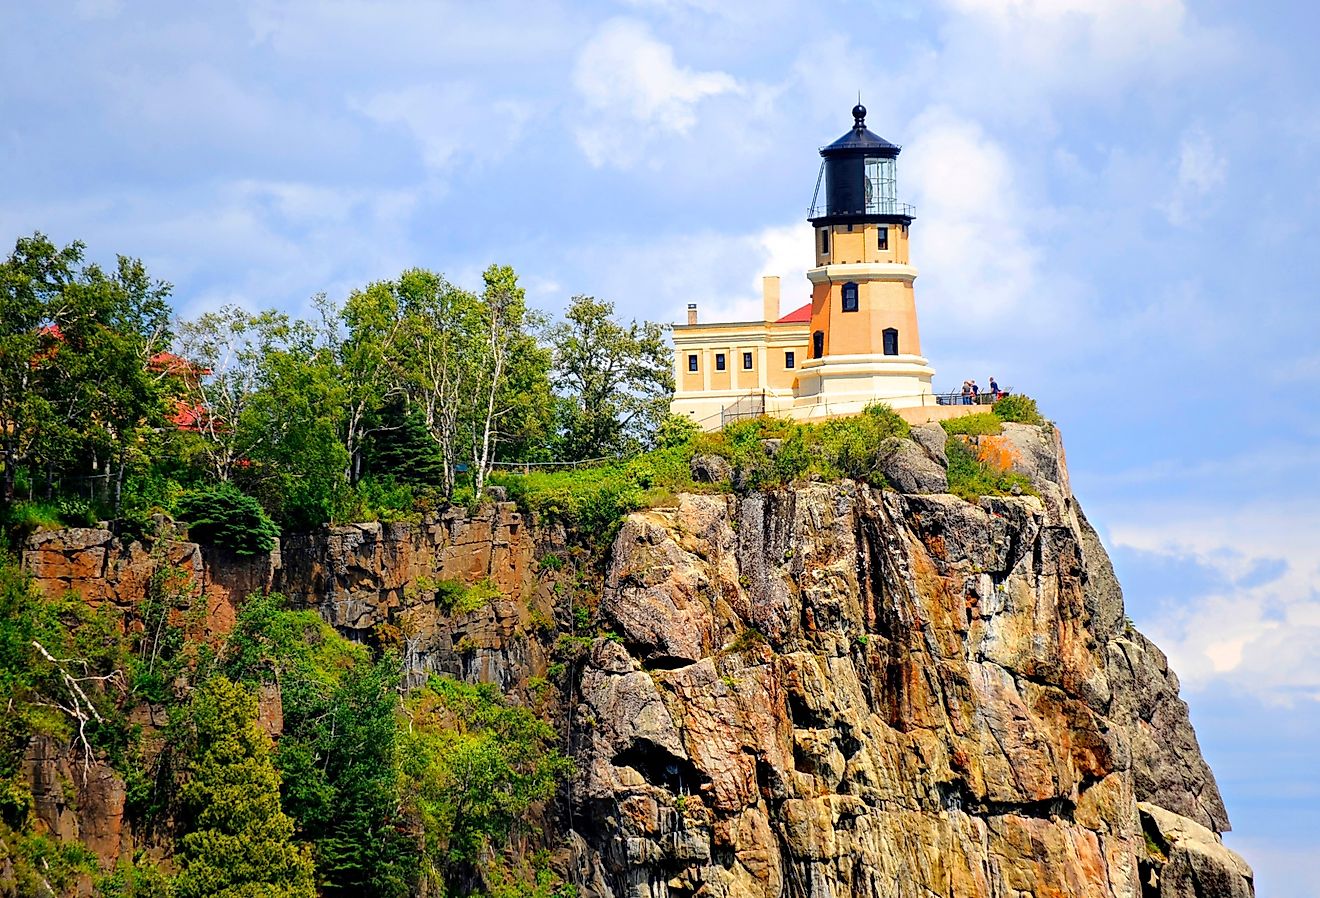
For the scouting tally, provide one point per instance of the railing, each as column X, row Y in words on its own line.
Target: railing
column 959, row 398
column 747, row 407
column 885, row 207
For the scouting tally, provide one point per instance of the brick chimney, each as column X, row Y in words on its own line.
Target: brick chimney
column 770, row 297
column 692, row 313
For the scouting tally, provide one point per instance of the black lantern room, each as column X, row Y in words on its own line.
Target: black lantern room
column 859, row 175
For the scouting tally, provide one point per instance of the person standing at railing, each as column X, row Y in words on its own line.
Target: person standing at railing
column 967, row 392
column 994, row 389
column 976, row 393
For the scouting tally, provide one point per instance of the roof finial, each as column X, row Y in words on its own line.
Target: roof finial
column 859, row 114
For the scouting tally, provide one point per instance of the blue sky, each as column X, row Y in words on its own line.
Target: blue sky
column 1117, row 209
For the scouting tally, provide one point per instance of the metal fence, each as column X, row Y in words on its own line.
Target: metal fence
column 747, row 407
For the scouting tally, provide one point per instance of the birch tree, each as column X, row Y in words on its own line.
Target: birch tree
column 231, row 346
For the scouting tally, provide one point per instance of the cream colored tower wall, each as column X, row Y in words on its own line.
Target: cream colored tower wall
column 862, row 244
column 885, row 299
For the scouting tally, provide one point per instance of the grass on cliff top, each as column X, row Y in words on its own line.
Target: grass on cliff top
column 764, row 453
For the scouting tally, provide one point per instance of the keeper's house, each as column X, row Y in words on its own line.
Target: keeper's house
column 856, row 342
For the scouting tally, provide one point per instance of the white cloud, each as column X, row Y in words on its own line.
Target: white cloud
column 1202, row 169
column 1258, row 634
column 969, row 238
column 98, row 9
column 721, row 272
column 1015, row 58
column 449, row 120
column 635, row 90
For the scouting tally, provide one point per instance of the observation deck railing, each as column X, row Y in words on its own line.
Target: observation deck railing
column 886, row 207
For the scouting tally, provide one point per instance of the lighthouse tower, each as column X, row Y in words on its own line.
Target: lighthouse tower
column 864, row 342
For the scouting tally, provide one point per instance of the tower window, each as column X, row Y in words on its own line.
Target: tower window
column 824, row 241
column 789, row 361
column 719, row 361
column 817, row 344
column 747, row 361
column 882, row 241
column 850, row 297
column 890, row 335
column 692, row 363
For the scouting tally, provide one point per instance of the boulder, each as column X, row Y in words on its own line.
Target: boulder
column 932, row 438
column 1186, row 860
column 711, row 469
column 909, row 469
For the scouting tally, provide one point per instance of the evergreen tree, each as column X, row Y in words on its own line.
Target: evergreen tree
column 400, row 446
column 240, row 843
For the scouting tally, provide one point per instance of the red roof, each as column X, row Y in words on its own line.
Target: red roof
column 797, row 315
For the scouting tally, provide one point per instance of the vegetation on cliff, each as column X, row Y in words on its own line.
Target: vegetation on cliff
column 405, row 395
column 369, row 788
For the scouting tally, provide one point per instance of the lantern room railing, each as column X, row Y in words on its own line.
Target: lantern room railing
column 883, row 207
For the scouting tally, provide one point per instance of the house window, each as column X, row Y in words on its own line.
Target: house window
column 824, row 241
column 747, row 361
column 849, row 229
column 789, row 361
column 890, row 335
column 719, row 361
column 817, row 344
column 850, row 297
column 692, row 363
column 883, row 239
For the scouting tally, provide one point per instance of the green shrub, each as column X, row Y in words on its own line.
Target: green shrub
column 980, row 424
column 1019, row 408
column 383, row 498
column 676, row 430
column 227, row 518
column 456, row 597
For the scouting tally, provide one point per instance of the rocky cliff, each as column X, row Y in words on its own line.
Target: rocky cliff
column 823, row 690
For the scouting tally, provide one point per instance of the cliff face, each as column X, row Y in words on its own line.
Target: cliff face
column 826, row 690
column 940, row 698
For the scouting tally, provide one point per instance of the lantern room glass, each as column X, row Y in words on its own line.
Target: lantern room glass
column 881, row 187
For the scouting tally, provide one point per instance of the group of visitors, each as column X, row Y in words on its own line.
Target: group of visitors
column 974, row 395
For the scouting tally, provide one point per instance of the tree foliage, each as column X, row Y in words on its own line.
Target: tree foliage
column 613, row 380
column 238, row 840
column 225, row 517
column 473, row 766
column 78, row 387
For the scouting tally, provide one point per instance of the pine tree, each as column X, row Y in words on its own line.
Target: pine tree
column 241, row 843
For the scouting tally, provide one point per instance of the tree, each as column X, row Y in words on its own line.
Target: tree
column 338, row 749
column 614, row 381
column 472, row 367
column 239, row 842
column 503, row 319
column 77, row 344
column 367, row 357
column 32, row 281
column 440, row 365
column 298, row 463
column 473, row 768
column 230, row 347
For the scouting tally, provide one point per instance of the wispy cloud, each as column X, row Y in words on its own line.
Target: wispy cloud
column 1202, row 170
column 1257, row 629
column 634, row 90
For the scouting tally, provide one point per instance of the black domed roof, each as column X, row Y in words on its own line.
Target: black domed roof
column 859, row 139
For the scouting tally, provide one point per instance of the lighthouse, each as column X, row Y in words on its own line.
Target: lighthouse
column 865, row 343
column 854, row 342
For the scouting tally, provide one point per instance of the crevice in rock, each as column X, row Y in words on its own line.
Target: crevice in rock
column 662, row 768
column 803, row 715
column 664, row 662
column 957, row 796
